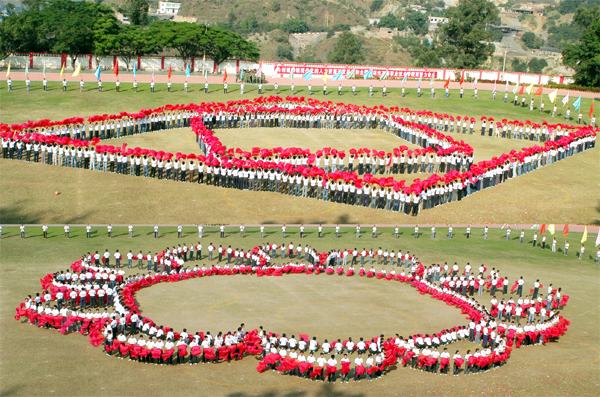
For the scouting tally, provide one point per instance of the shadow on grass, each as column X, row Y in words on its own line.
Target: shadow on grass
column 597, row 221
column 19, row 213
column 325, row 390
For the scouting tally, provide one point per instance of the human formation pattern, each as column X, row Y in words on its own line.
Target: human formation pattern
column 96, row 296
column 361, row 176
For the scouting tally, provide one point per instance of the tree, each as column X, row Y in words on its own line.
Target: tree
column 418, row 22
column 133, row 41
column 136, row 11
column 537, row 65
column 295, row 26
column 285, row 52
column 376, row 5
column 221, row 45
column 391, row 21
column 584, row 56
column 518, row 65
column 531, row 40
column 465, row 40
column 348, row 49
column 188, row 39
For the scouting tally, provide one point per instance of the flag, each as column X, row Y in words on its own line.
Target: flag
column 134, row 71
column 62, row 70
column 522, row 90
column 431, row 81
column 116, row 68
column 506, row 86
column 592, row 108
column 447, row 83
column 565, row 100
column 462, row 78
column 516, row 89
column 584, row 236
column 351, row 74
column 552, row 95
column 494, row 85
column 539, row 91
column 577, row 103
column 205, row 74
column 77, row 70
column 368, row 74
column 338, row 76
column 475, row 82
column 8, row 70
column 384, row 75
column 529, row 89
column 566, row 230
column 97, row 74
column 170, row 73
column 307, row 75
column 598, row 239
column 404, row 79
column 419, row 84
column 44, row 69
column 543, row 228
column 153, row 75
column 26, row 69
column 551, row 229
column 325, row 77
column 187, row 73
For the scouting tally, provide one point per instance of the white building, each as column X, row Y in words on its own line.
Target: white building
column 437, row 20
column 168, row 8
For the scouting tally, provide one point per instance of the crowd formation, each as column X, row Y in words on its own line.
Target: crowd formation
column 362, row 178
column 96, row 297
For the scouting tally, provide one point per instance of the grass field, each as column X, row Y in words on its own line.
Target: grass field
column 18, row 106
column 40, row 362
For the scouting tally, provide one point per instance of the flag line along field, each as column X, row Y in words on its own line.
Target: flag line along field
column 24, row 261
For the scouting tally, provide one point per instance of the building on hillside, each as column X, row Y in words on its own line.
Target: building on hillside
column 168, row 8
column 437, row 20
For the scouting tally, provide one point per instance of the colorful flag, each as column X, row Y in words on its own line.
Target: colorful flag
column 307, row 75
column 577, row 103
column 551, row 229
column 116, row 68
column 543, row 228
column 97, row 74
column 187, row 73
column 447, row 83
column 566, row 230
column 368, row 74
column 475, row 82
column 384, row 75
column 325, row 77
column 419, row 83
column 591, row 108
column 351, row 74
column 77, row 70
column 539, row 91
column 431, row 81
column 134, row 70
column 494, row 85
column 522, row 90
column 462, row 78
column 552, row 95
column 8, row 69
column 565, row 100
column 44, row 69
column 62, row 70
column 516, row 89
column 338, row 76
column 506, row 86
column 170, row 73
column 598, row 239
column 584, row 235
column 404, row 79
column 26, row 69
column 529, row 89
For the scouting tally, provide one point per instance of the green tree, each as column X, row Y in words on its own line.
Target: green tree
column 465, row 39
column 295, row 26
column 187, row 39
column 531, row 40
column 376, row 5
column 348, row 49
column 537, row 65
column 284, row 52
column 418, row 22
column 584, row 56
column 136, row 11
column 391, row 21
column 518, row 65
column 133, row 41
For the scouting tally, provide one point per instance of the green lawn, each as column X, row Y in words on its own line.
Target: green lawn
column 28, row 352
column 18, row 106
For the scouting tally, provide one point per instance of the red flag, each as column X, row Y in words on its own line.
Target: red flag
column 462, row 78
column 566, row 230
column 116, row 68
column 225, row 75
column 543, row 228
column 592, row 108
column 539, row 91
column 170, row 72
column 447, row 83
column 522, row 90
